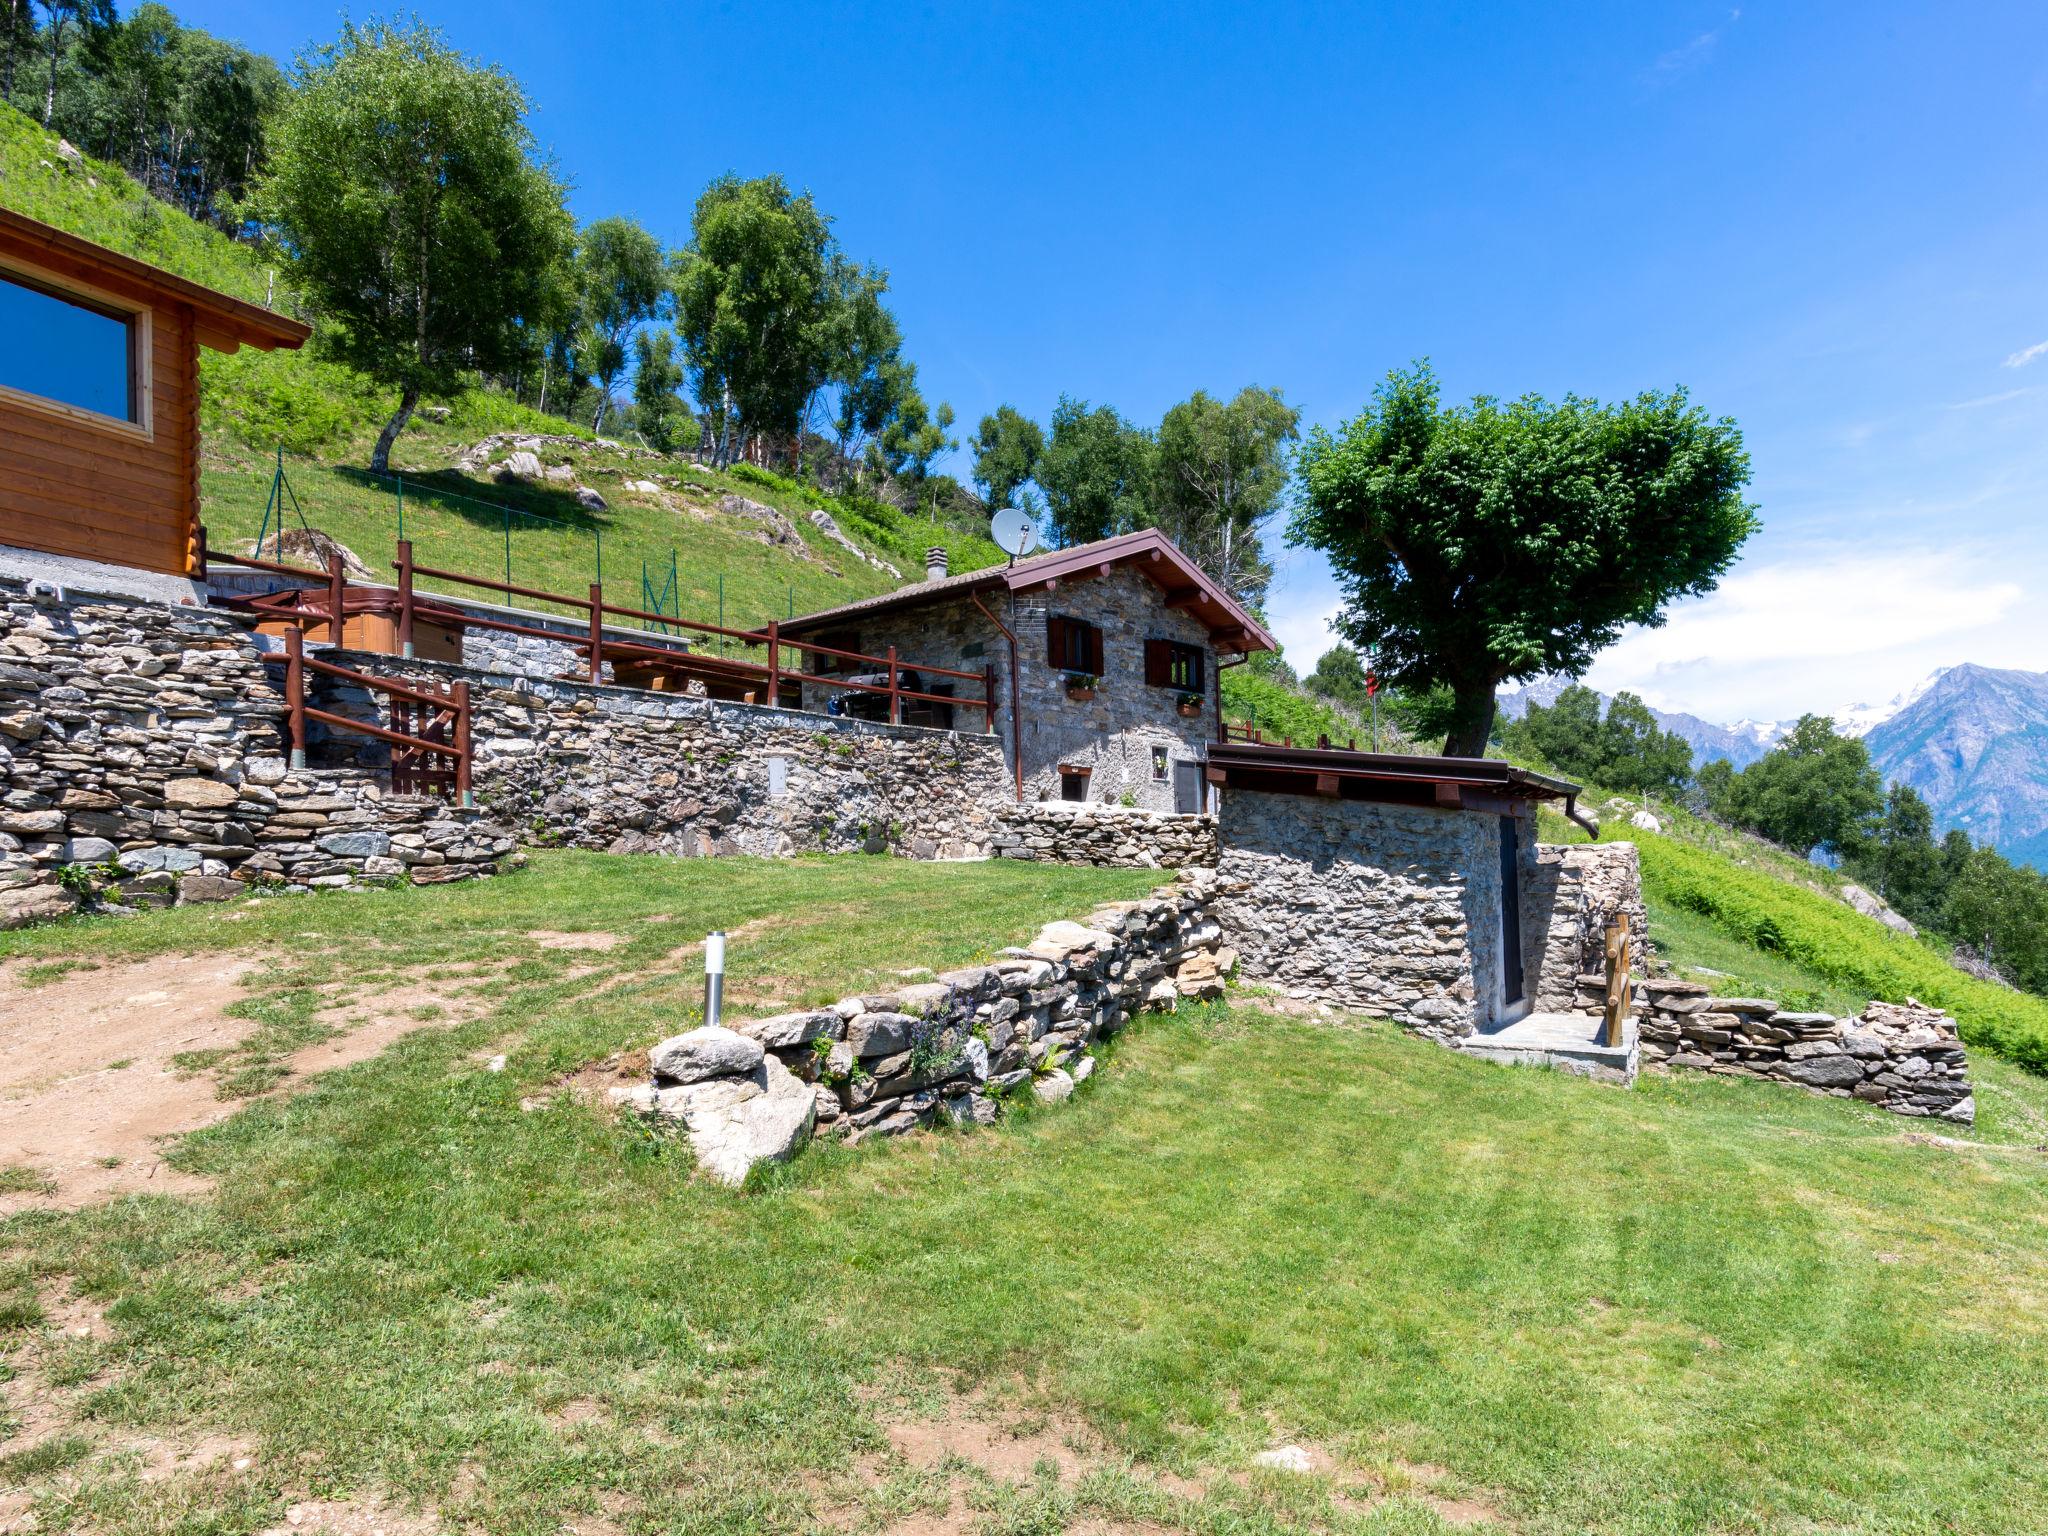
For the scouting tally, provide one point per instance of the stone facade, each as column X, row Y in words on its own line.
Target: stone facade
column 142, row 744
column 1392, row 909
column 1906, row 1058
column 1109, row 836
column 630, row 771
column 1575, row 891
column 878, row 1065
column 1130, row 737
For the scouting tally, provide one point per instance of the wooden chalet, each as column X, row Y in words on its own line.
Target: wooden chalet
column 99, row 397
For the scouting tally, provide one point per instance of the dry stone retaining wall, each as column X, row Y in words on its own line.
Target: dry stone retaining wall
column 141, row 744
column 881, row 1064
column 631, row 771
column 1575, row 891
column 1906, row 1058
column 1111, row 836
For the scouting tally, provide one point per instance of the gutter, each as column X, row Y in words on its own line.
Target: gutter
column 1016, row 716
column 1571, row 811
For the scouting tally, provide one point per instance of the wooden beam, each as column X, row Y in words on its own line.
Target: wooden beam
column 1450, row 796
column 219, row 341
column 1102, row 569
column 1326, row 785
column 1187, row 597
column 1217, row 775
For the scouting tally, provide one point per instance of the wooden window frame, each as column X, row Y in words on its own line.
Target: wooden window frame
column 1176, row 664
column 140, row 318
column 1062, row 630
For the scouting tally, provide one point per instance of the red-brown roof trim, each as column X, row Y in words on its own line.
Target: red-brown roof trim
column 1186, row 584
column 1308, row 763
column 224, row 321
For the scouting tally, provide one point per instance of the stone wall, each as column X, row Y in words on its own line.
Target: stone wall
column 1392, row 909
column 1574, row 891
column 1906, row 1058
column 1112, row 836
column 881, row 1064
column 630, row 771
column 1115, row 734
column 147, row 738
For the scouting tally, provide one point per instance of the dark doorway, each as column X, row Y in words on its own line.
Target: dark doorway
column 1073, row 785
column 1511, row 911
column 1187, row 786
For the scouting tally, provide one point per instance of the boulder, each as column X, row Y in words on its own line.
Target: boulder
column 589, row 500
column 731, row 1131
column 1053, row 1087
column 705, row 1052
column 25, row 904
column 1826, row 1071
column 1870, row 904
column 786, row 1031
column 210, row 888
column 86, row 850
column 356, row 845
column 1643, row 821
column 520, row 465
column 880, row 1034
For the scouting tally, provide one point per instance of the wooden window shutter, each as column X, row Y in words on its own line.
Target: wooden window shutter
column 1197, row 659
column 1094, row 649
column 1158, row 663
column 1055, row 640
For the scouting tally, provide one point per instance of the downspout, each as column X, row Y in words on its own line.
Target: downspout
column 1016, row 718
column 1571, row 811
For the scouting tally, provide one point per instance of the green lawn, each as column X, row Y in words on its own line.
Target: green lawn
column 1702, row 1305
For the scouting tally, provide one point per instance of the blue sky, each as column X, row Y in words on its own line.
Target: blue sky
column 1830, row 221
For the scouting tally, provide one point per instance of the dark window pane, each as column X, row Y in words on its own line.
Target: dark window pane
column 64, row 351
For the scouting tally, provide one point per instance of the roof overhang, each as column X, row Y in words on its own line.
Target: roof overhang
column 1186, row 585
column 220, row 320
column 1452, row 783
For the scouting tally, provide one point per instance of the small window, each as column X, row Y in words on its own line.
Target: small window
column 1073, row 645
column 836, row 640
column 1073, row 783
column 1159, row 765
column 1169, row 664
column 67, row 350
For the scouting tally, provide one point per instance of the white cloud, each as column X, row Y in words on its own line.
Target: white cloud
column 1997, row 399
column 1691, row 55
column 1833, row 627
column 1304, row 633
column 2026, row 355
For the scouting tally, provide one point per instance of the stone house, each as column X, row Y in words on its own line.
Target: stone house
column 1103, row 661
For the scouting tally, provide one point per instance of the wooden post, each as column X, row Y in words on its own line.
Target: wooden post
column 1620, row 980
column 597, row 632
column 405, row 598
column 988, row 694
column 462, row 752
column 774, row 664
column 200, row 554
column 895, row 695
column 295, row 692
column 337, row 597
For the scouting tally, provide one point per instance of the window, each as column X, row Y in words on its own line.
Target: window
column 1073, row 645
column 1073, row 783
column 1158, row 765
column 1169, row 664
column 67, row 350
column 836, row 640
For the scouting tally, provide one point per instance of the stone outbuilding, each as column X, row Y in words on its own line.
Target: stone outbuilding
column 1103, row 661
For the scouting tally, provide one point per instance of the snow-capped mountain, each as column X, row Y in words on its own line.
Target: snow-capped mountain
column 1862, row 719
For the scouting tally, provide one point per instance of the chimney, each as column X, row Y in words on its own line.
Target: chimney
column 935, row 563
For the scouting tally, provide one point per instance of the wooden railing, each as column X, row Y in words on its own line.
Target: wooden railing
column 444, row 723
column 1229, row 732
column 596, row 648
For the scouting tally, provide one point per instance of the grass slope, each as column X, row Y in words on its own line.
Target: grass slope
column 1703, row 1305
column 325, row 417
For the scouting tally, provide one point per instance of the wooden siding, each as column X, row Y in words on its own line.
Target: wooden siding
column 75, row 483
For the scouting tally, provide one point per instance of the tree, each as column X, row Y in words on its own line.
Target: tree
column 63, row 19
column 1220, row 473
column 621, row 285
column 1007, row 447
column 664, row 420
column 873, row 380
column 1339, row 675
column 1638, row 754
column 1095, row 473
column 755, row 307
column 1815, row 789
column 1901, row 859
column 1494, row 541
column 1566, row 734
column 17, row 34
column 404, row 193
column 911, row 442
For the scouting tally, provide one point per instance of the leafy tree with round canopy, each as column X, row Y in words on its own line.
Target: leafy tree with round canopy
column 1007, row 446
column 1340, row 675
column 1220, row 473
column 405, row 195
column 664, row 420
column 1482, row 543
column 622, row 283
column 1096, row 473
column 1814, row 789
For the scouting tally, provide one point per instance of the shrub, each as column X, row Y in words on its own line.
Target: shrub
column 1839, row 943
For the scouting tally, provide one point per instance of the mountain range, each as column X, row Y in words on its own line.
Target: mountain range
column 1972, row 740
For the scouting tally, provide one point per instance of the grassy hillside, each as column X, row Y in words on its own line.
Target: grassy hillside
column 324, row 418
column 1483, row 1298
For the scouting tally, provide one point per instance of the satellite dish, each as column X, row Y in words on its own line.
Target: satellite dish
column 1014, row 532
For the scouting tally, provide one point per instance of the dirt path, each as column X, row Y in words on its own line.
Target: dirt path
column 88, row 1092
